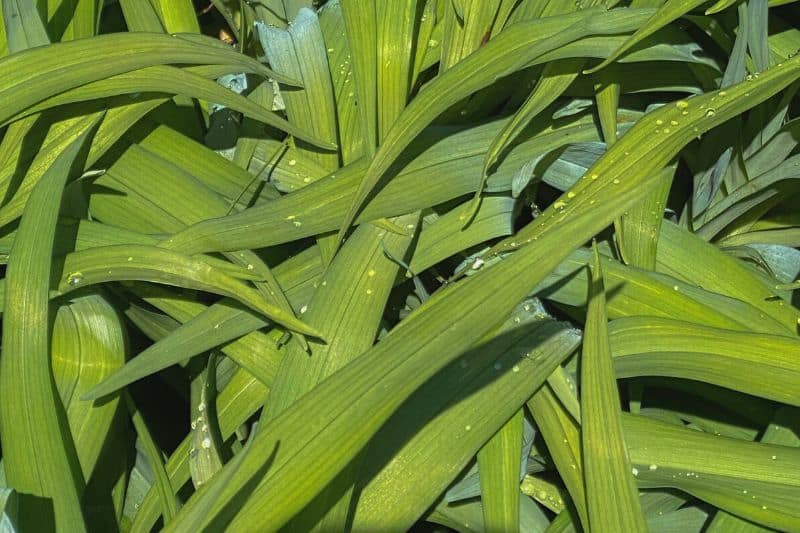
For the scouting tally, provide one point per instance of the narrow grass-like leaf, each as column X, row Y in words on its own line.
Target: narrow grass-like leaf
column 23, row 25
column 172, row 80
column 205, row 457
column 738, row 360
column 242, row 397
column 677, row 245
column 517, row 47
column 498, row 463
column 78, row 19
column 299, row 53
column 158, row 265
column 406, row 361
column 395, row 26
column 347, row 307
column 555, row 79
column 456, row 403
column 319, row 207
column 88, row 344
column 340, row 54
column 634, row 292
column 466, row 29
column 654, row 141
column 38, row 451
column 447, row 236
column 611, row 494
column 177, row 16
column 561, row 433
column 660, row 451
column 169, row 504
column 65, row 130
column 33, row 75
column 669, row 11
column 360, row 19
column 637, row 230
column 141, row 16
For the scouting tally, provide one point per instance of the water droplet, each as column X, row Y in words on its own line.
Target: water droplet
column 201, row 407
column 303, row 309
column 479, row 262
column 635, row 471
column 297, row 223
column 206, row 444
column 559, row 204
column 292, row 162
column 616, row 181
column 130, row 259
column 467, row 427
column 74, row 279
column 595, row 176
column 681, row 104
column 250, row 266
column 371, row 272
column 369, row 291
column 774, row 457
column 659, row 122
column 498, row 365
column 571, row 194
column 710, row 112
column 666, row 130
column 675, row 287
column 673, row 122
column 515, row 368
column 653, row 467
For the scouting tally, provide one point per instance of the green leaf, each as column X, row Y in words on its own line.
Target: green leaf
column 755, row 363
column 157, row 265
column 24, row 26
column 33, row 75
column 177, row 15
column 299, row 53
column 517, row 47
column 88, row 344
column 671, row 10
column 611, row 494
column 169, row 504
column 38, row 451
column 448, row 419
column 751, row 480
column 561, row 433
column 499, row 462
column 402, row 361
column 172, row 80
column 360, row 20
column 318, row 208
